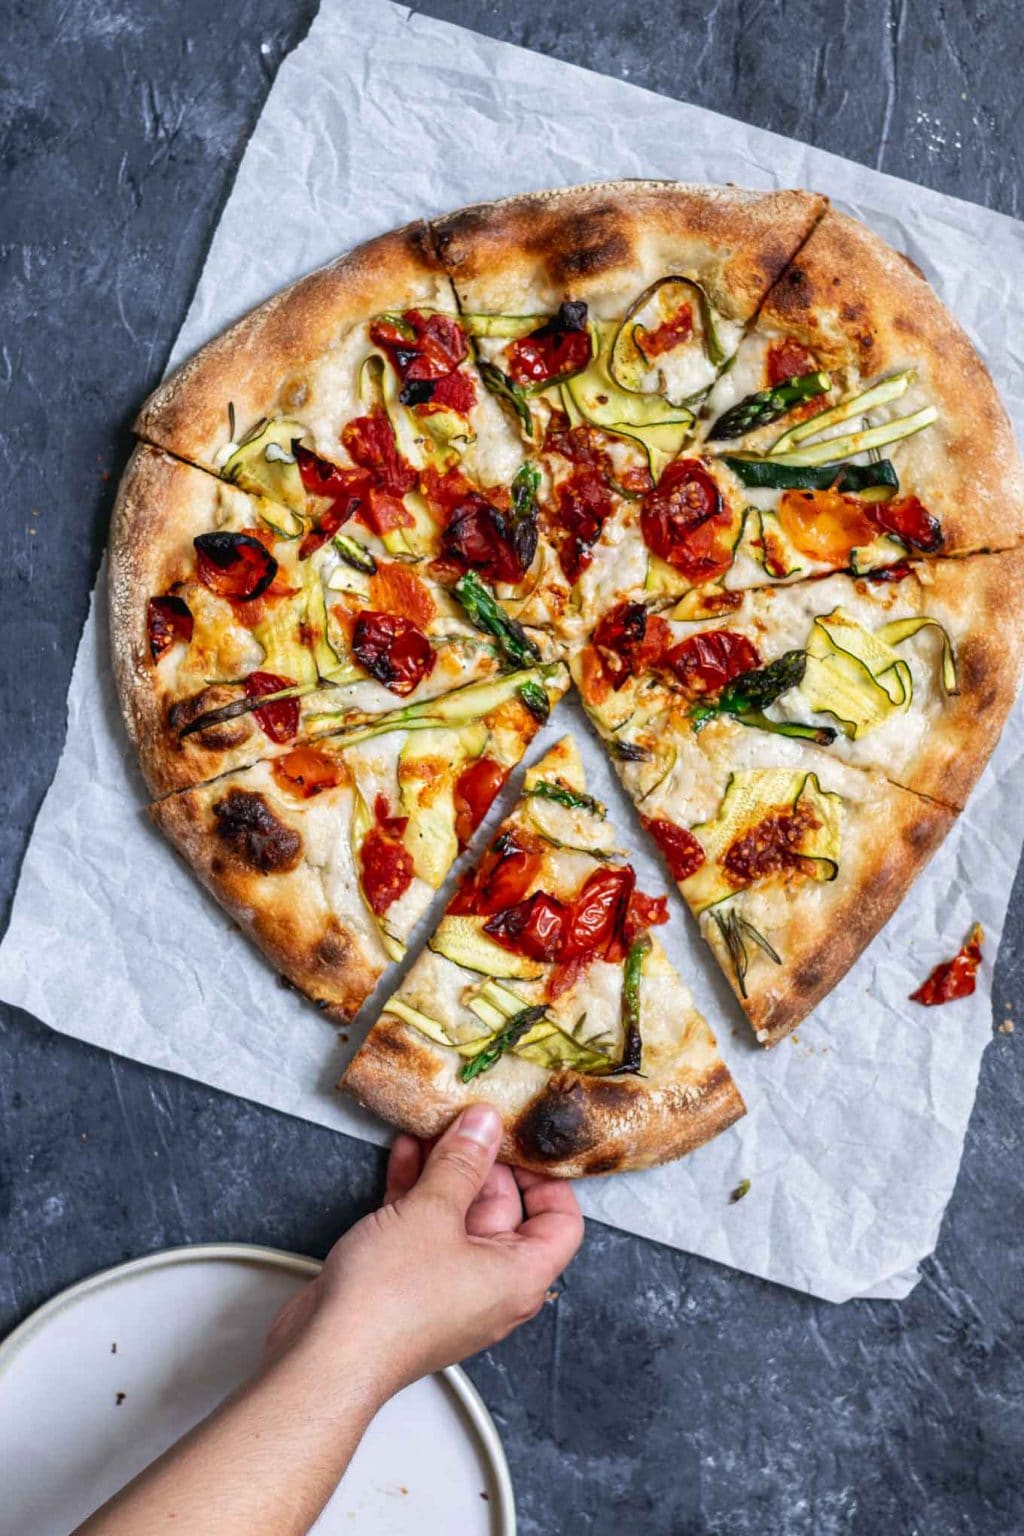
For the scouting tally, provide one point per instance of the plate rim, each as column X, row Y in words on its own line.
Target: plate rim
column 453, row 1376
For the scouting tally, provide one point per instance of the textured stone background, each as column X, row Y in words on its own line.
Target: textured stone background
column 659, row 1394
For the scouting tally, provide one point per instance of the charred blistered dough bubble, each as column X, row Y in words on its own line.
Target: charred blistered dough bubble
column 215, row 738
column 245, row 822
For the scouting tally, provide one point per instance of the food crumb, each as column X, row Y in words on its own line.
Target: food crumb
column 484, row 1495
column 1006, row 1027
column 741, row 1189
column 343, row 1038
column 119, row 1399
column 113, row 1348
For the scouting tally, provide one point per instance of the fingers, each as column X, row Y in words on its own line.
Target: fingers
column 498, row 1207
column 457, row 1168
column 554, row 1222
column 405, row 1165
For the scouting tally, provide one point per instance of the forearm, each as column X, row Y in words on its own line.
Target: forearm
column 265, row 1463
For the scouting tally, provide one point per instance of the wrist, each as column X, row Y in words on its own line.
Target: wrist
column 343, row 1369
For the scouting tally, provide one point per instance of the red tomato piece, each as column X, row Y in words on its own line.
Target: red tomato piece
column 671, row 333
column 234, row 565
column 788, row 359
column 477, row 537
column 597, row 919
column 642, row 913
column 534, row 927
column 502, row 878
column 168, row 620
column 686, row 521
column 370, row 442
column 307, row 771
column 475, row 788
column 279, row 719
column 704, row 663
column 420, row 347
column 387, row 869
column 680, row 849
column 392, row 650
column 456, row 392
column 558, row 347
column 953, row 978
column 628, row 640
column 909, row 520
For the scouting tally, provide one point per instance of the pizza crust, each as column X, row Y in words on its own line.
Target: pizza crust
column 563, row 1124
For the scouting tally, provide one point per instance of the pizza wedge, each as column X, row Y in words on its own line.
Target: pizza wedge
column 328, row 855
column 544, row 992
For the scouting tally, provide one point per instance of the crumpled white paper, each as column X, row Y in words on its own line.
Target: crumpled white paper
column 855, row 1130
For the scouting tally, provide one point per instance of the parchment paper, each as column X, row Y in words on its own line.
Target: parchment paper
column 855, row 1129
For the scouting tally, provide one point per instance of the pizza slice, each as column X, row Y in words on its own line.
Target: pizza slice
column 601, row 317
column 328, row 854
column 237, row 635
column 790, row 857
column 543, row 991
column 911, row 676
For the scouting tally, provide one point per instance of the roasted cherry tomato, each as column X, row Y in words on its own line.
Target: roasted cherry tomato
column 825, row 525
column 370, row 442
column 503, row 877
column 598, row 914
column 420, row 347
column 686, row 521
column 234, row 565
column 475, row 788
column 788, row 359
column 279, row 719
column 396, row 588
column 671, row 333
column 582, row 500
column 704, row 663
column 456, row 392
column 168, row 620
column 534, row 927
column 348, row 490
column 392, row 650
column 307, row 771
column 386, row 863
column 953, row 978
column 681, row 851
column 909, row 520
column 642, row 913
column 558, row 347
column 478, row 537
column 628, row 640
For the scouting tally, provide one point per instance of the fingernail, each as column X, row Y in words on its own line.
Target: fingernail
column 480, row 1123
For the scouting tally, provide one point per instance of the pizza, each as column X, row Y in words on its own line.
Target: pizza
column 544, row 991
column 719, row 459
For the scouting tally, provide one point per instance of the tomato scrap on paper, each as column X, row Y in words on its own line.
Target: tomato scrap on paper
column 953, row 978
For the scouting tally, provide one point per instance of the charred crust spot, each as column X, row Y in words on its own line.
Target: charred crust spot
column 333, row 948
column 908, row 261
column 606, row 1163
column 906, row 325
column 587, row 246
column 215, row 738
column 245, row 822
column 978, row 678
column 808, row 979
column 556, row 1126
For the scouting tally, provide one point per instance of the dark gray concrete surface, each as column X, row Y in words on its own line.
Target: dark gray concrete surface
column 659, row 1394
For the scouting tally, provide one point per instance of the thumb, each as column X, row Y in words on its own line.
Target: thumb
column 455, row 1171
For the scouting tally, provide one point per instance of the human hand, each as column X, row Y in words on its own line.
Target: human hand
column 462, row 1251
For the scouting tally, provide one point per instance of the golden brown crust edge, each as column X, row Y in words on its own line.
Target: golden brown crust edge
column 322, row 959
column 820, row 959
column 574, row 1127
column 251, row 363
column 848, row 292
column 574, row 241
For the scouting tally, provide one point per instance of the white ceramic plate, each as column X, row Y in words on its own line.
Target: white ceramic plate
column 105, row 1376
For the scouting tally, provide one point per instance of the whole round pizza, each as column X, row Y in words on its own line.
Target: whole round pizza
column 718, row 459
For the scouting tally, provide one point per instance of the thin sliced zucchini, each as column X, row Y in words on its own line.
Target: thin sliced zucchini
column 775, row 551
column 898, row 630
column 428, row 765
column 628, row 365
column 462, row 940
column 264, row 463
column 752, row 795
column 354, row 554
column 285, row 653
column 854, row 405
column 473, row 702
column 419, row 1021
column 871, row 482
column 880, row 552
column 503, row 327
column 650, row 420
column 330, row 662
column 854, row 675
column 833, row 450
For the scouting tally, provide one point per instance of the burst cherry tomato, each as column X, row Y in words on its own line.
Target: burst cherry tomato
column 307, row 771
column 534, row 927
column 682, row 852
column 392, row 650
column 370, row 443
column 909, row 520
column 704, row 663
column 421, row 348
column 387, row 867
column 642, row 913
column 475, row 788
column 234, row 565
column 279, row 719
column 686, row 521
column 503, row 877
column 671, row 333
column 168, row 620
column 598, row 914
column 788, row 359
column 628, row 640
column 825, row 525
column 347, row 489
column 478, row 537
column 953, row 978
column 558, row 347
column 456, row 392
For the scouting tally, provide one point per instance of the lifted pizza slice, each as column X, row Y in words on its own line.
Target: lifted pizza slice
column 236, row 635
column 911, row 676
column 544, row 992
column 329, row 854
